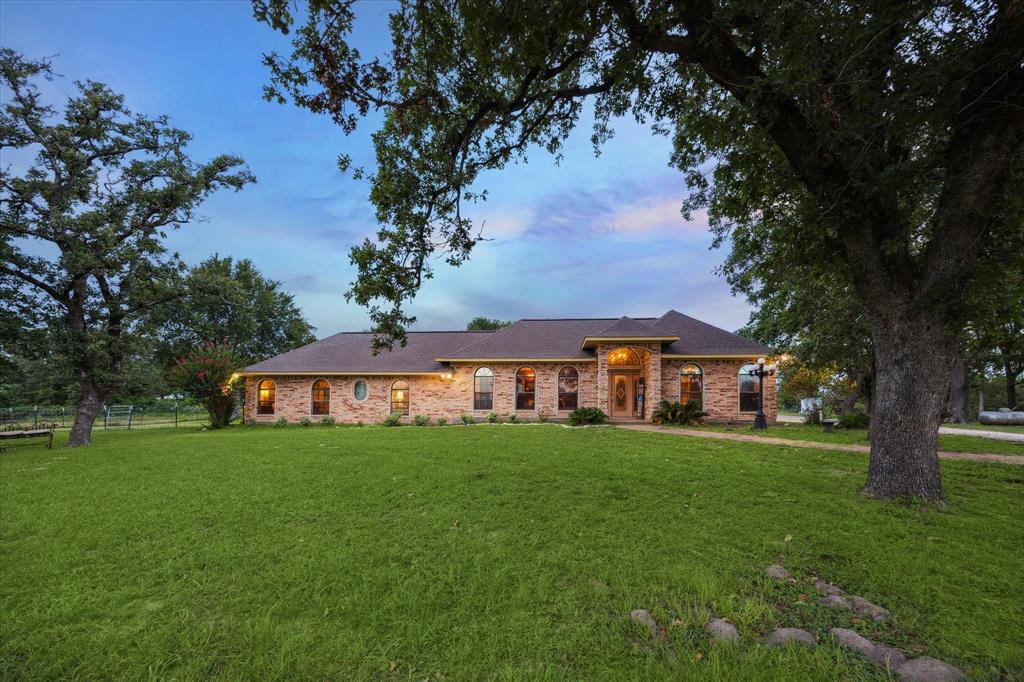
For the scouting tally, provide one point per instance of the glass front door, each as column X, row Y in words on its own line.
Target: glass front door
column 621, row 387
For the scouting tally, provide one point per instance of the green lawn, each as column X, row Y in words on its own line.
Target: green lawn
column 860, row 437
column 482, row 552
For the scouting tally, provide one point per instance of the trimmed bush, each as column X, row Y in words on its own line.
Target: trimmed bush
column 281, row 421
column 677, row 413
column 467, row 418
column 513, row 418
column 304, row 421
column 207, row 374
column 422, row 420
column 327, row 420
column 393, row 419
column 493, row 418
column 586, row 415
column 854, row 420
column 441, row 421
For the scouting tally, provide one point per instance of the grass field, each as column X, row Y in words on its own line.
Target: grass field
column 508, row 552
column 951, row 443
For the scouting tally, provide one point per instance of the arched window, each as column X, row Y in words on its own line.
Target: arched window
column 321, row 397
column 623, row 357
column 359, row 390
column 691, row 385
column 526, row 388
column 265, row 397
column 748, row 389
column 400, row 397
column 483, row 389
column 568, row 388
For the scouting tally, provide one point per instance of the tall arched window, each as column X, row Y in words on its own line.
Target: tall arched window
column 526, row 388
column 400, row 397
column 265, row 397
column 691, row 385
column 321, row 403
column 568, row 388
column 748, row 389
column 483, row 389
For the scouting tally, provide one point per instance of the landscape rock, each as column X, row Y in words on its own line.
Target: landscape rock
column 863, row 607
column 887, row 656
column 787, row 636
column 722, row 631
column 834, row 601
column 927, row 669
column 778, row 572
column 827, row 588
column 643, row 617
column 851, row 639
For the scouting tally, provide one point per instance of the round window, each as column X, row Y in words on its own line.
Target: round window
column 359, row 390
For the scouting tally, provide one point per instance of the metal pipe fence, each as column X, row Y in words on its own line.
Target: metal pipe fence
column 109, row 418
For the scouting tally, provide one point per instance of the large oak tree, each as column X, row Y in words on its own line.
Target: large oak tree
column 871, row 138
column 81, row 228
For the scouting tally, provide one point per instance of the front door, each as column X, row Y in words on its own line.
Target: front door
column 621, row 394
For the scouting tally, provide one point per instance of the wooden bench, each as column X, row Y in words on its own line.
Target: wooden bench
column 11, row 432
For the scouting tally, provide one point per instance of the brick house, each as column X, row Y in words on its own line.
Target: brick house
column 533, row 368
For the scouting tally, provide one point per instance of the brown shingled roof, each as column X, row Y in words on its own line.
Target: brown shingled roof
column 350, row 353
column 701, row 338
column 558, row 339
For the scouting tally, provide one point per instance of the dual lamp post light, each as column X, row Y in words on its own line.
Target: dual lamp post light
column 761, row 372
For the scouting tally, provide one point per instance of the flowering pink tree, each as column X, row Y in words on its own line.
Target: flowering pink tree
column 207, row 374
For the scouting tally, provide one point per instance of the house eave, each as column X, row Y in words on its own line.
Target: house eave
column 591, row 341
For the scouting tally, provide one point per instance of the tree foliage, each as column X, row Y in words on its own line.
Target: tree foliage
column 81, row 228
column 228, row 301
column 481, row 323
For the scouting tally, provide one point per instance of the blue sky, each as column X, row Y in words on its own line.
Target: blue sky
column 588, row 237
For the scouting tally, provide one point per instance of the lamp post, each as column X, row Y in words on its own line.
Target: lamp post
column 761, row 372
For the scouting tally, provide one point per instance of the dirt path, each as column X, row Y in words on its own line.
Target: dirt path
column 717, row 435
column 947, row 430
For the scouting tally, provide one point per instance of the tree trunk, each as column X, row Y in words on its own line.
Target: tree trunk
column 88, row 407
column 1011, row 381
column 912, row 363
column 959, row 388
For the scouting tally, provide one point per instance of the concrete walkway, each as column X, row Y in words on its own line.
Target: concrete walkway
column 813, row 445
column 945, row 430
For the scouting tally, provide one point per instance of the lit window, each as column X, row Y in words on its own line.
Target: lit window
column 691, row 385
column 321, row 397
column 568, row 388
column 483, row 389
column 359, row 390
column 265, row 397
column 400, row 397
column 526, row 389
column 748, row 389
column 623, row 357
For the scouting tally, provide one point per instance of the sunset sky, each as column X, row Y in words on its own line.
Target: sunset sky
column 592, row 237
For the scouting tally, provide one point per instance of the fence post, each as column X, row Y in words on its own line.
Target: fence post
column 35, row 416
column 175, row 414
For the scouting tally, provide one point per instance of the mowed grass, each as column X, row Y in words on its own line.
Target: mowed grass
column 483, row 552
column 949, row 443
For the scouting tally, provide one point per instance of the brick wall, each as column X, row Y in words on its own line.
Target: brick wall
column 721, row 388
column 437, row 397
column 430, row 395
